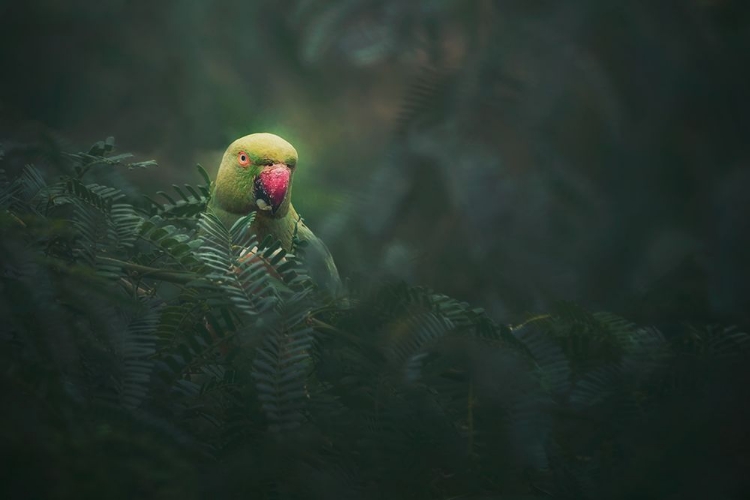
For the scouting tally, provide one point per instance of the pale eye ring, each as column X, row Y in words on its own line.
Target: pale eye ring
column 243, row 159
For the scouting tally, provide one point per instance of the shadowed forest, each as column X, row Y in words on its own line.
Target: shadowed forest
column 539, row 210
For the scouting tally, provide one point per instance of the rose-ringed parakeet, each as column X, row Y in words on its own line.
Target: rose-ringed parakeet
column 256, row 174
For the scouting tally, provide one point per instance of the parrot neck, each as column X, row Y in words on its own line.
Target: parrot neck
column 280, row 228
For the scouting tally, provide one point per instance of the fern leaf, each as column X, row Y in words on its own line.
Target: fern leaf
column 190, row 205
column 171, row 241
column 280, row 371
column 246, row 281
column 133, row 347
column 411, row 337
column 127, row 224
column 551, row 362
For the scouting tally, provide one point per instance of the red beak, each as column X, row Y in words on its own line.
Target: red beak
column 272, row 184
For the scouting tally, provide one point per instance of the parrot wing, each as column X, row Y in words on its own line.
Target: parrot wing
column 319, row 262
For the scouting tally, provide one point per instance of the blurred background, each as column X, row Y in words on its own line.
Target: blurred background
column 508, row 153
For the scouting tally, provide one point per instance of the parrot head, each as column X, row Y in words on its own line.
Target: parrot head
column 256, row 174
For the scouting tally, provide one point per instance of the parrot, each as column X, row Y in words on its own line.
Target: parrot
column 256, row 174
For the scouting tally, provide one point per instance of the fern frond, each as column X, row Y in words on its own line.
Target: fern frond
column 246, row 281
column 100, row 197
column 190, row 354
column 134, row 347
column 93, row 231
column 280, row 370
column 715, row 343
column 191, row 201
column 8, row 191
column 551, row 362
column 32, row 181
column 127, row 224
column 24, row 190
column 179, row 319
column 100, row 153
column 171, row 241
column 410, row 338
column 596, row 386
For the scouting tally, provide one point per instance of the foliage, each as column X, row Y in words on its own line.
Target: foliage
column 161, row 354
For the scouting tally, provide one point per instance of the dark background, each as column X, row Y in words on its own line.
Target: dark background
column 509, row 153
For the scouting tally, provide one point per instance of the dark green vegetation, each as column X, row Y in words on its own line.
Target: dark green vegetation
column 140, row 361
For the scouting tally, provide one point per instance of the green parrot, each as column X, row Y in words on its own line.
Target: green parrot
column 256, row 174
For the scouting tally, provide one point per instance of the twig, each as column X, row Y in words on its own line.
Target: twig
column 180, row 277
column 538, row 317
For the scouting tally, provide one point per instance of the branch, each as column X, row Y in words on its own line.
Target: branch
column 180, row 277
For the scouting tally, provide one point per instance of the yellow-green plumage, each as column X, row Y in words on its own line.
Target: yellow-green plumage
column 235, row 194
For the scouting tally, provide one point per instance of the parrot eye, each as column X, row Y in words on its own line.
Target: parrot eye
column 243, row 159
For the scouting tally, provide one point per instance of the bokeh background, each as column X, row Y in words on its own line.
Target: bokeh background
column 509, row 153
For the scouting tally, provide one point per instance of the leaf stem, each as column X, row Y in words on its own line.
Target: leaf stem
column 180, row 277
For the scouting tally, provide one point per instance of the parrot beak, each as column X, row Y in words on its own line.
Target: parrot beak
column 271, row 187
